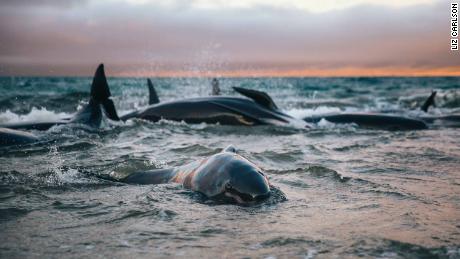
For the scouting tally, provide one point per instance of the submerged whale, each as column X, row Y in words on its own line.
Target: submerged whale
column 378, row 120
column 9, row 137
column 259, row 109
column 224, row 176
column 372, row 121
column 445, row 120
column 90, row 115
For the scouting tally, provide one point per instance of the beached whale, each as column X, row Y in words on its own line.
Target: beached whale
column 90, row 115
column 259, row 109
column 224, row 176
column 10, row 137
column 371, row 121
column 378, row 120
column 389, row 121
column 446, row 120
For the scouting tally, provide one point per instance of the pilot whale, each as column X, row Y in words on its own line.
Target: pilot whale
column 10, row 137
column 259, row 109
column 90, row 115
column 371, row 121
column 452, row 120
column 446, row 120
column 224, row 176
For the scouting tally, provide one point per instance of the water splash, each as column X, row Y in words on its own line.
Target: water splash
column 36, row 114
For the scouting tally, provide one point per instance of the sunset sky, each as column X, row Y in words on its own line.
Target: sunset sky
column 227, row 38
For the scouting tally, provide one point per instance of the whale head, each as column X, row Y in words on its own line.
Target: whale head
column 231, row 177
column 246, row 183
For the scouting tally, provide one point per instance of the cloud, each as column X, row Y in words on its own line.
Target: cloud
column 41, row 3
column 305, row 5
column 173, row 36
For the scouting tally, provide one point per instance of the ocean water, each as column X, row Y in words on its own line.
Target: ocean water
column 350, row 192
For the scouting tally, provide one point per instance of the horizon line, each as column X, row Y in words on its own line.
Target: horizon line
column 118, row 71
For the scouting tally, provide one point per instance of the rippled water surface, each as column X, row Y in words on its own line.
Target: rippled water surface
column 350, row 192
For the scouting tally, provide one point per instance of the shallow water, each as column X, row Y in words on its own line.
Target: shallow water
column 350, row 192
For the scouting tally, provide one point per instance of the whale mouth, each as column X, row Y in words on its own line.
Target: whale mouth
column 243, row 197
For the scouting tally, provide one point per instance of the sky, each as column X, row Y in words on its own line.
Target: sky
column 227, row 37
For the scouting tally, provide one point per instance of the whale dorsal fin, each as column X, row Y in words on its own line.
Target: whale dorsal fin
column 261, row 98
column 153, row 97
column 229, row 148
column 429, row 102
column 100, row 88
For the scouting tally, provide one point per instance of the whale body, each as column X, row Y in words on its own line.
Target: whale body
column 259, row 109
column 225, row 175
column 372, row 121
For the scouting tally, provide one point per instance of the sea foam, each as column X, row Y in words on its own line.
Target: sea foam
column 36, row 114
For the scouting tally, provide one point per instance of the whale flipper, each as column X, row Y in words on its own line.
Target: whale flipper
column 100, row 91
column 259, row 97
column 100, row 95
column 244, row 116
column 429, row 102
column 110, row 110
column 153, row 97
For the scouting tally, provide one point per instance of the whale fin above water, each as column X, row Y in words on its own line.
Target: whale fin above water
column 100, row 91
column 153, row 97
column 110, row 110
column 90, row 114
column 100, row 95
column 261, row 98
column 429, row 102
column 100, row 88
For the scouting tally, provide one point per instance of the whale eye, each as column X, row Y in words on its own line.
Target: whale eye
column 228, row 186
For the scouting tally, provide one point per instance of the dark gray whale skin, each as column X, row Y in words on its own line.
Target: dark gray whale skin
column 90, row 114
column 258, row 110
column 34, row 125
column 372, row 121
column 9, row 137
column 225, row 175
column 215, row 109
